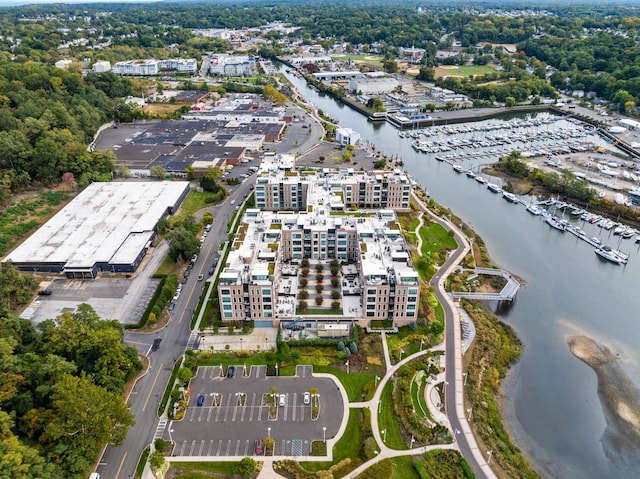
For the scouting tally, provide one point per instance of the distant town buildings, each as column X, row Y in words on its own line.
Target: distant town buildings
column 101, row 66
column 154, row 67
column 231, row 65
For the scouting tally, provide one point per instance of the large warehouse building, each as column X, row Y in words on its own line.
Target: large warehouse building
column 107, row 227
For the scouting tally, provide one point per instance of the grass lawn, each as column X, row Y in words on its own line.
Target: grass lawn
column 395, row 468
column 348, row 445
column 353, row 383
column 388, row 420
column 232, row 359
column 168, row 266
column 435, row 238
column 194, row 202
column 229, row 468
column 364, row 58
column 418, row 383
column 465, row 70
column 19, row 220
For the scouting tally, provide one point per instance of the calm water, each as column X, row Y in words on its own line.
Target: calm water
column 551, row 402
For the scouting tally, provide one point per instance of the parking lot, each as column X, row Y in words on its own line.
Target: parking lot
column 234, row 415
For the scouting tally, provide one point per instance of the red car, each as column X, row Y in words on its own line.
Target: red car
column 259, row 446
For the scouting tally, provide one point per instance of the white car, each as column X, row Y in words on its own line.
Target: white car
column 283, row 400
column 306, row 398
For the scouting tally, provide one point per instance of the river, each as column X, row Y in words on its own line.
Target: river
column 551, row 402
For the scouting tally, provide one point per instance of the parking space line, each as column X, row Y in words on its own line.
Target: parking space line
column 228, row 447
column 237, row 447
column 201, row 448
column 253, row 406
column 218, row 409
column 243, row 411
column 210, row 447
column 246, row 448
column 235, row 412
column 260, row 413
column 293, row 406
column 210, row 410
column 193, row 445
column 219, row 447
column 283, row 451
column 184, row 444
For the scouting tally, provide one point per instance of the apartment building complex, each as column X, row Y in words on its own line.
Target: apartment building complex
column 279, row 187
column 262, row 274
column 154, row 67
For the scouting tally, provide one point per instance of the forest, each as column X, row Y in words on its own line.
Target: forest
column 61, row 393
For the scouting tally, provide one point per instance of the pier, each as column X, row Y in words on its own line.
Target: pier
column 508, row 293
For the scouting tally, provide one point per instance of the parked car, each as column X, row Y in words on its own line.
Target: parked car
column 259, row 446
column 200, row 400
column 283, row 400
column 306, row 398
column 207, row 228
column 211, row 271
column 200, row 277
column 45, row 292
column 172, row 306
column 231, row 371
column 194, row 258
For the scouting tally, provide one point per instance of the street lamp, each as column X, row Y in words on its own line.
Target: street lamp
column 469, row 411
column 377, row 379
column 379, row 406
column 466, row 373
column 240, row 344
column 421, row 344
column 347, row 365
column 276, row 369
column 170, row 431
column 269, row 432
column 489, row 453
column 324, row 434
column 401, row 353
column 384, row 435
column 412, row 440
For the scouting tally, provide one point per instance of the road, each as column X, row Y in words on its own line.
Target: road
column 121, row 462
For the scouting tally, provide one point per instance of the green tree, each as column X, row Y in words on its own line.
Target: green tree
column 247, row 466
column 158, row 171
column 84, row 417
column 390, row 66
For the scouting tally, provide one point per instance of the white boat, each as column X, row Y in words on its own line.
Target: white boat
column 534, row 209
column 480, row 179
column 601, row 194
column 494, row 188
column 458, row 168
column 510, row 197
column 618, row 198
column 613, row 255
column 471, row 173
column 560, row 225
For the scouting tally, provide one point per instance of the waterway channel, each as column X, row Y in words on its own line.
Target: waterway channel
column 551, row 401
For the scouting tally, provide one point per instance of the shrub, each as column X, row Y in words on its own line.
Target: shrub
column 335, row 305
column 340, row 345
column 335, row 294
column 346, row 352
column 303, row 283
column 319, row 267
column 335, row 282
column 319, row 278
column 319, row 288
column 303, row 294
column 353, row 347
column 305, row 272
column 319, row 300
column 246, row 467
column 413, row 326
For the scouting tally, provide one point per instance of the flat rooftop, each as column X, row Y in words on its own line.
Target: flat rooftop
column 107, row 222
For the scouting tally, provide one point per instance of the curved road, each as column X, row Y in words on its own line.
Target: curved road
column 454, row 393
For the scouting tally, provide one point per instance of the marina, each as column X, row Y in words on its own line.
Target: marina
column 567, row 290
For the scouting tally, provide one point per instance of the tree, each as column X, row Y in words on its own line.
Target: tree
column 390, row 66
column 207, row 218
column 426, row 74
column 183, row 244
column 158, row 171
column 247, row 466
column 84, row 417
